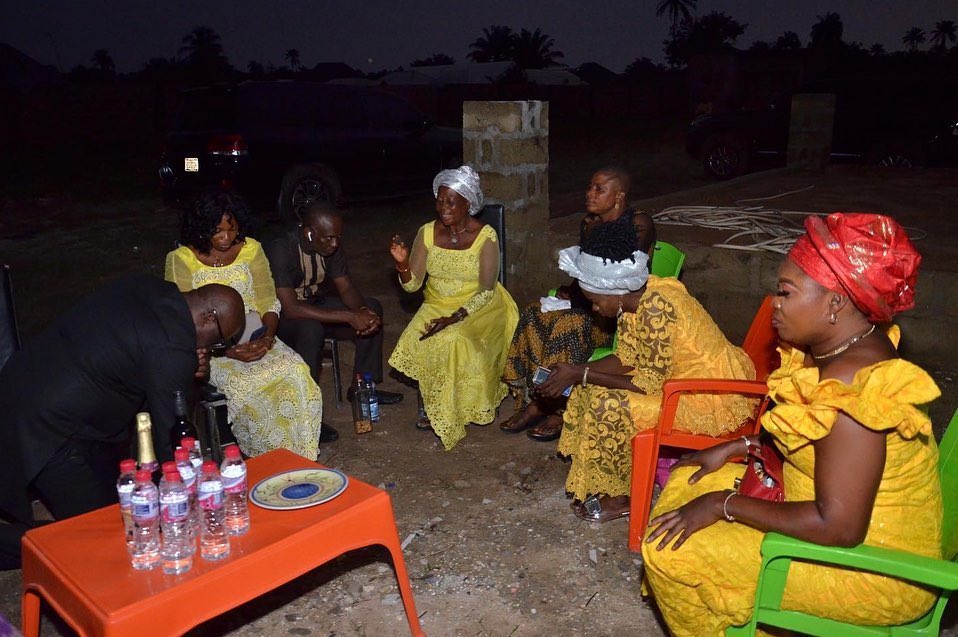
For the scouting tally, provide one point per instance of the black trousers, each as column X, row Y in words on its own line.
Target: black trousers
column 80, row 477
column 306, row 337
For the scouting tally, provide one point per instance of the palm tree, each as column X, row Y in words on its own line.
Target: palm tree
column 943, row 34
column 102, row 61
column 494, row 45
column 201, row 44
column 534, row 50
column 827, row 32
column 292, row 56
column 676, row 9
column 913, row 38
column 877, row 49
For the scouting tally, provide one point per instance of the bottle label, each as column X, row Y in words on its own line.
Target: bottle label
column 234, row 478
column 211, row 495
column 125, row 491
column 188, row 475
column 174, row 507
column 145, row 507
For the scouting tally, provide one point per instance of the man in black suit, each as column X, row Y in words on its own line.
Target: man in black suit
column 68, row 399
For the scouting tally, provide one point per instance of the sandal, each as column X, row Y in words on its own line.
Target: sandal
column 547, row 430
column 591, row 509
column 514, row 424
column 424, row 424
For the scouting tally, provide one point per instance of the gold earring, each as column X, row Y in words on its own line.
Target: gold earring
column 832, row 318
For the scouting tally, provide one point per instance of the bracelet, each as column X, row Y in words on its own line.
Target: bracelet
column 585, row 376
column 728, row 518
column 459, row 315
column 398, row 269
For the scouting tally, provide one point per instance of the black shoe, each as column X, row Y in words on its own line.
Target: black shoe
column 328, row 434
column 385, row 397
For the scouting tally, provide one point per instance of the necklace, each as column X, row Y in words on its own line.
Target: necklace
column 841, row 348
column 454, row 234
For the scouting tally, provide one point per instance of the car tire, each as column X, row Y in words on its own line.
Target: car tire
column 305, row 185
column 725, row 156
column 896, row 155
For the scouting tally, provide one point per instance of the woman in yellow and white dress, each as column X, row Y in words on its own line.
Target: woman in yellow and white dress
column 273, row 401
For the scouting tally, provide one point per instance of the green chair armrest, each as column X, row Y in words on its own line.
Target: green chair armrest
column 600, row 353
column 901, row 564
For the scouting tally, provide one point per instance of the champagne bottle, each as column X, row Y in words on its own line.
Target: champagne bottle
column 183, row 427
column 146, row 457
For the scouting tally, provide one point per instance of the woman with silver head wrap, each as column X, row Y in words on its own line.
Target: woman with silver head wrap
column 543, row 339
column 663, row 334
column 455, row 345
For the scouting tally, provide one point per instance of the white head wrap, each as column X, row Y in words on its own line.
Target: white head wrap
column 603, row 276
column 465, row 181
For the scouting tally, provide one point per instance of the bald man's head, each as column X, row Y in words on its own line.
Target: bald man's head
column 321, row 229
column 229, row 314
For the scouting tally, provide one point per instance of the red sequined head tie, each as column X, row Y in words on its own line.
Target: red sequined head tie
column 867, row 256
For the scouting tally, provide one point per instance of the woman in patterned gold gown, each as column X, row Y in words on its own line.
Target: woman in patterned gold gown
column 860, row 459
column 455, row 345
column 663, row 334
column 273, row 401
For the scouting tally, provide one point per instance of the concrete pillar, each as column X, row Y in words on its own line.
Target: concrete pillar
column 810, row 130
column 508, row 145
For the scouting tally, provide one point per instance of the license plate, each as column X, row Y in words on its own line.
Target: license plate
column 191, row 164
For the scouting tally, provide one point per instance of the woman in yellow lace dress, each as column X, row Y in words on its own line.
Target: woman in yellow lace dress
column 664, row 333
column 860, row 456
column 455, row 345
column 273, row 401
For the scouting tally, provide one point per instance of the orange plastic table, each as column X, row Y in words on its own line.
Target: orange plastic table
column 81, row 566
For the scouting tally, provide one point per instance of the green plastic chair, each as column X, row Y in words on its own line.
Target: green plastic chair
column 778, row 551
column 667, row 261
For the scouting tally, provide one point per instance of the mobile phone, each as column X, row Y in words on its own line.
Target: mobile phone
column 540, row 376
column 259, row 333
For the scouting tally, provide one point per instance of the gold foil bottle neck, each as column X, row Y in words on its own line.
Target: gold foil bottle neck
column 144, row 441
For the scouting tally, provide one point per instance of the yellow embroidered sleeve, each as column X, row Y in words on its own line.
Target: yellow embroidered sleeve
column 263, row 287
column 177, row 270
column 417, row 262
column 488, row 271
column 647, row 346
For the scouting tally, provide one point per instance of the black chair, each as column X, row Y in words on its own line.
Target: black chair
column 494, row 214
column 9, row 331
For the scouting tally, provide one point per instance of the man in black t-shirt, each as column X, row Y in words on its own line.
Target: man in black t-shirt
column 304, row 263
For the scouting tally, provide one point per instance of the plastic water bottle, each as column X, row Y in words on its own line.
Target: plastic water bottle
column 196, row 456
column 214, row 538
column 373, row 396
column 177, row 547
column 124, row 489
column 185, row 467
column 145, row 501
column 233, row 471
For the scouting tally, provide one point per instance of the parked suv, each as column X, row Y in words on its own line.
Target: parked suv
column 884, row 122
column 287, row 144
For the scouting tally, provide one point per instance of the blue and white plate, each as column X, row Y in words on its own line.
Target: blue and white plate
column 298, row 488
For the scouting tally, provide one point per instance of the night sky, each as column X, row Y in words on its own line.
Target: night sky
column 375, row 34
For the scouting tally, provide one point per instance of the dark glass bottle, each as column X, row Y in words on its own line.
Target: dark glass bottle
column 182, row 425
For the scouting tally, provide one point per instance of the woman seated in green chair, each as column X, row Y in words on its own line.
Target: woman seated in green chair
column 860, row 460
column 570, row 335
column 663, row 334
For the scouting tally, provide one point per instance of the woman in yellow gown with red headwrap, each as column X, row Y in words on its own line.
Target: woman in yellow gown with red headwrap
column 860, row 457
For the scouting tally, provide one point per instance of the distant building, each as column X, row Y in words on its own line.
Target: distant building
column 475, row 73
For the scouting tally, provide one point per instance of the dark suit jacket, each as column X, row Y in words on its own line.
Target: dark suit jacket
column 126, row 348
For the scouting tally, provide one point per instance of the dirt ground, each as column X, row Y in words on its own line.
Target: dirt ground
column 493, row 550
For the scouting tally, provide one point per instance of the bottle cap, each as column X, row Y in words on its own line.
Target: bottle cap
column 209, row 466
column 169, row 466
column 182, row 454
column 233, row 452
column 188, row 442
column 128, row 465
column 172, row 476
column 142, row 475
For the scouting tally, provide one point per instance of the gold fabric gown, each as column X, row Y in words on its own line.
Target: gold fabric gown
column 459, row 368
column 273, row 402
column 670, row 336
column 709, row 583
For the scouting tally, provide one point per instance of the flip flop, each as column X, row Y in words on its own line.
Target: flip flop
column 543, row 434
column 424, row 424
column 508, row 425
column 591, row 509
